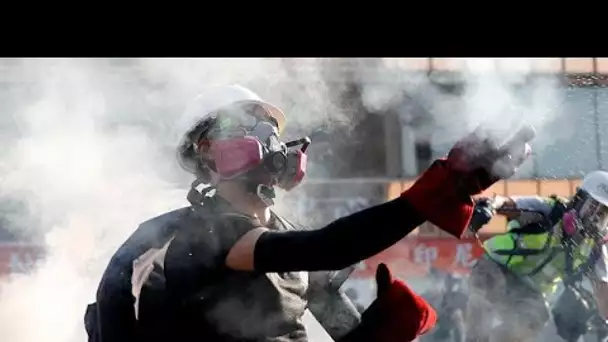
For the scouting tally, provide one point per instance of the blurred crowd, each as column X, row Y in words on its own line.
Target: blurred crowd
column 575, row 318
column 448, row 295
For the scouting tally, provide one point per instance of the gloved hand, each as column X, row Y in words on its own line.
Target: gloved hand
column 482, row 214
column 397, row 314
column 443, row 193
column 482, row 161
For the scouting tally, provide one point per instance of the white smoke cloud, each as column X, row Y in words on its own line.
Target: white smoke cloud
column 93, row 158
column 500, row 93
column 91, row 184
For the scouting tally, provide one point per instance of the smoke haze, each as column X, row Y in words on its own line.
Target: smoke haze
column 91, row 151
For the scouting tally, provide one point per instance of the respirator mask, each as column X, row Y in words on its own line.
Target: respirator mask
column 241, row 142
column 586, row 217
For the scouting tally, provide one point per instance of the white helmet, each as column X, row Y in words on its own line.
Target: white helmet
column 591, row 202
column 596, row 185
column 213, row 98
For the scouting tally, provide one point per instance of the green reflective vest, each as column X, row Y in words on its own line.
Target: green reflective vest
column 537, row 256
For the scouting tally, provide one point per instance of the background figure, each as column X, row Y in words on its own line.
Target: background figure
column 451, row 307
column 435, row 292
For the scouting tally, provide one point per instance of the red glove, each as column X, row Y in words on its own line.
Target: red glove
column 397, row 314
column 443, row 193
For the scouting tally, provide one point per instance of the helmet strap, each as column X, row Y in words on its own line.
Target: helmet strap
column 266, row 194
column 195, row 196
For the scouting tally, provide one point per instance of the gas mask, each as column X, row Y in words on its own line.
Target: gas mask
column 241, row 142
column 587, row 217
column 260, row 150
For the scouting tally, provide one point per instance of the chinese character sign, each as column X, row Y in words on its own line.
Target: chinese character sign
column 413, row 257
column 425, row 255
column 464, row 257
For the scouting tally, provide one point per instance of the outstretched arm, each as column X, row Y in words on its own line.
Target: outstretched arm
column 442, row 195
column 509, row 206
column 340, row 244
column 517, row 209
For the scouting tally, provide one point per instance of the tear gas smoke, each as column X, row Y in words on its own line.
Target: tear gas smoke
column 496, row 92
column 93, row 156
column 90, row 151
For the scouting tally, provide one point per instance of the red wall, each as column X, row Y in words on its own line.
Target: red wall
column 412, row 257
